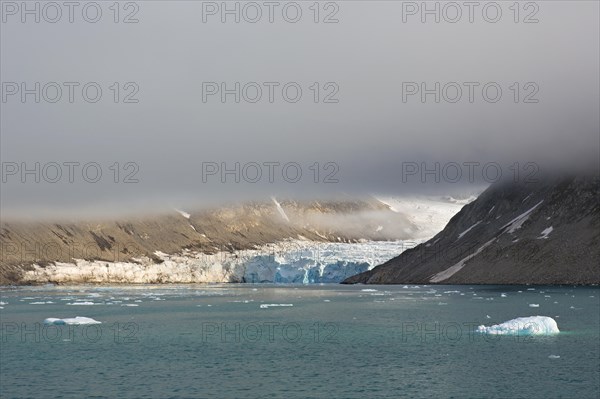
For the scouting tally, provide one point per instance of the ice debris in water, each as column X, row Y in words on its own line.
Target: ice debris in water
column 533, row 325
column 75, row 321
column 269, row 305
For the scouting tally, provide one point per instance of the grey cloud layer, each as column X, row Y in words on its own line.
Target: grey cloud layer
column 368, row 134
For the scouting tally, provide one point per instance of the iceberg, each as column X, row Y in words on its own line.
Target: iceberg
column 271, row 305
column 73, row 321
column 533, row 325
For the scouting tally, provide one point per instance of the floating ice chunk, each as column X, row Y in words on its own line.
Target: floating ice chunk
column 130, row 304
column 503, row 295
column 82, row 303
column 533, row 325
column 554, row 357
column 534, row 305
column 73, row 321
column 269, row 305
column 368, row 290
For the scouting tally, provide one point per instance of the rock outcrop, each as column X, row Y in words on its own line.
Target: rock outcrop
column 547, row 232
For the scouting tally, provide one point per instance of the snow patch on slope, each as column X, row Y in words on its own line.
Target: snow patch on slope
column 545, row 233
column 517, row 222
column 446, row 274
column 184, row 214
column 280, row 210
column 467, row 230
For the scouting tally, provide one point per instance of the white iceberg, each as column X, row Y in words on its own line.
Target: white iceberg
column 271, row 305
column 73, row 321
column 534, row 325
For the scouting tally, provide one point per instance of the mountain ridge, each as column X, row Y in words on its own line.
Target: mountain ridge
column 545, row 232
column 29, row 246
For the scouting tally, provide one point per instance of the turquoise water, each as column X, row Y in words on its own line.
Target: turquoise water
column 334, row 342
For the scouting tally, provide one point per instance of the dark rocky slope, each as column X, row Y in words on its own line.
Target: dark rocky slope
column 515, row 233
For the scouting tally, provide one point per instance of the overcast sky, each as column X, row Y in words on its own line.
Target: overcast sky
column 371, row 61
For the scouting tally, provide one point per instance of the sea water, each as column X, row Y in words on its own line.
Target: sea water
column 297, row 341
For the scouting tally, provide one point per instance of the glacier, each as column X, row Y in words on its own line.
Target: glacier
column 289, row 261
column 533, row 325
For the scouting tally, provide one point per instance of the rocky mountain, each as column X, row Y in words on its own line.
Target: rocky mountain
column 183, row 247
column 547, row 232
